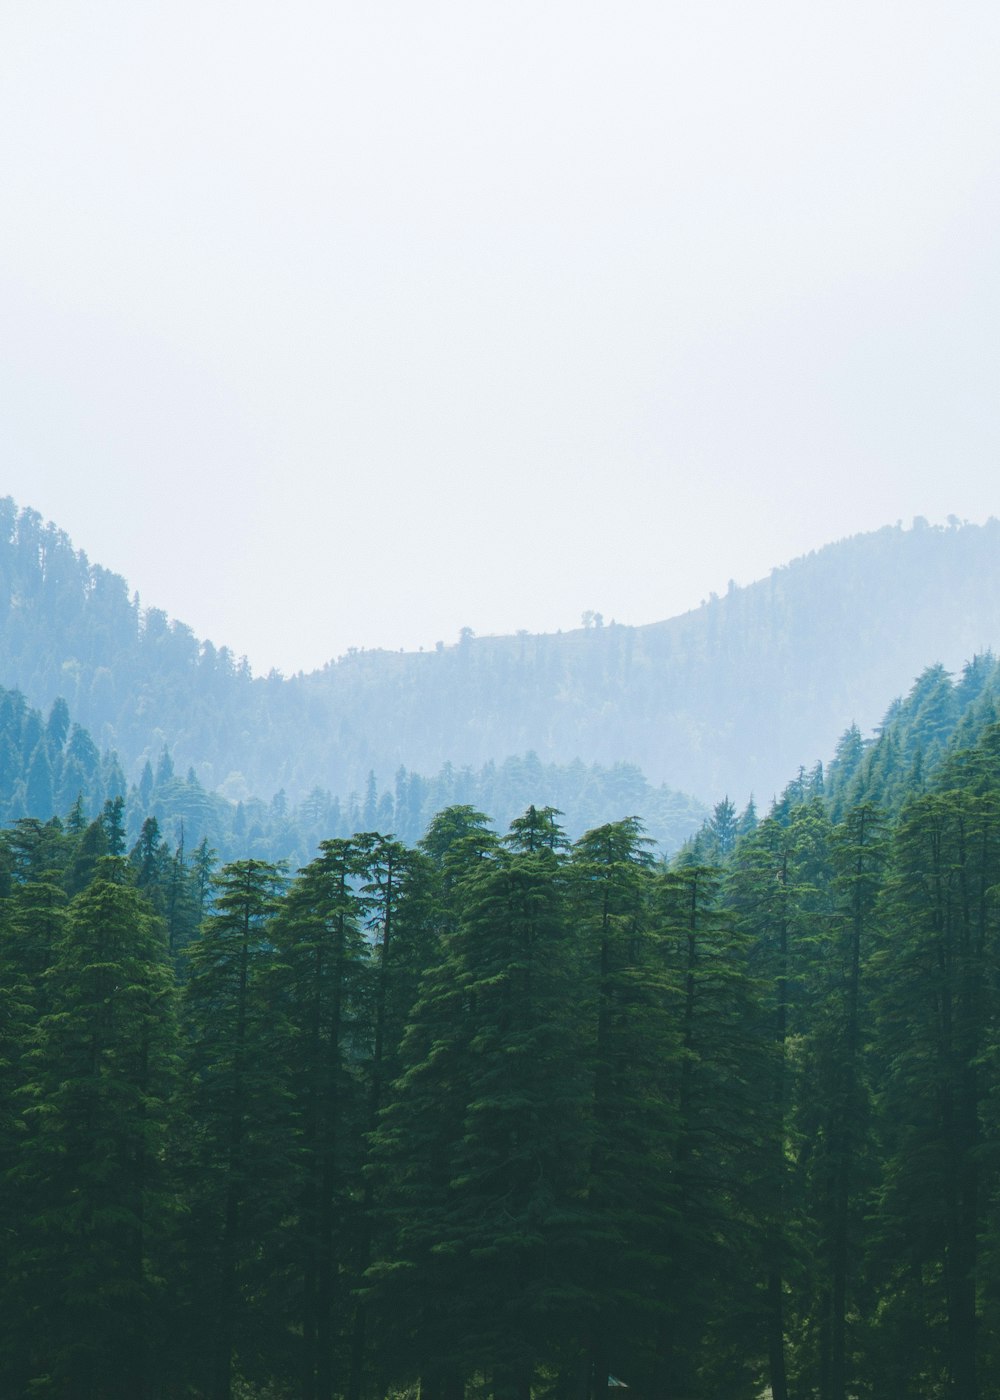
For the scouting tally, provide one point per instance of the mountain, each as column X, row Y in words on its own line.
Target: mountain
column 755, row 1088
column 729, row 697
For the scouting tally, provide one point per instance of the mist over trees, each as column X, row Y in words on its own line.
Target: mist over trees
column 509, row 1115
column 51, row 764
column 416, row 1090
column 731, row 697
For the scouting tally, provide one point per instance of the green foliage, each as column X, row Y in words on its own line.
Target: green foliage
column 38, row 779
column 486, row 1201
column 322, row 983
column 92, row 1192
column 509, row 1114
column 238, row 1094
column 630, row 1226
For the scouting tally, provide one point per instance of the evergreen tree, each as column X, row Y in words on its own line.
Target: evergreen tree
column 35, row 849
column 710, row 1317
column 780, row 887
column 182, row 909
column 91, row 1167
column 936, row 997
column 113, row 821
column 90, row 847
column 836, row 1112
column 723, row 828
column 489, row 1186
column 39, row 795
column 623, row 989
column 31, row 928
column 397, row 910
column 150, row 862
column 322, row 981
column 57, row 725
column 237, row 1102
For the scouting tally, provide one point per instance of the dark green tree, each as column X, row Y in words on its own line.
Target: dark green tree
column 238, row 1095
column 323, row 982
column 396, row 890
column 489, row 1188
column 150, row 861
column 780, row 888
column 91, row 1167
column 710, row 1316
column 835, row 1115
column 623, row 988
column 936, row 1003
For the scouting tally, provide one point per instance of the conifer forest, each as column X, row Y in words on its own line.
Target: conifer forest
column 431, row 1103
column 508, row 1115
column 499, row 700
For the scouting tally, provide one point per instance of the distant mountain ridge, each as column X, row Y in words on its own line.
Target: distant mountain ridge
column 728, row 698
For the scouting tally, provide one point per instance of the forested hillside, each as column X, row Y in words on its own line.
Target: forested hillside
column 51, row 766
column 293, row 1106
column 508, row 1116
column 731, row 697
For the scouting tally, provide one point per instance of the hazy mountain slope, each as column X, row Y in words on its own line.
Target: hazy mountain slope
column 730, row 697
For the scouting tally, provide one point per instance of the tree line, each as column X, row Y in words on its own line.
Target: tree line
column 730, row 694
column 51, row 764
column 509, row 1115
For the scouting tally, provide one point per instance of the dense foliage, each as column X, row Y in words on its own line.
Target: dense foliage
column 500, row 1115
column 49, row 764
column 510, row 1115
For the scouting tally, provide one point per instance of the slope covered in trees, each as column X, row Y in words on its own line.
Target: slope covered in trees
column 508, row 1116
column 51, row 766
column 731, row 696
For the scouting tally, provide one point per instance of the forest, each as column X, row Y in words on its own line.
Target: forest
column 729, row 697
column 504, row 1114
column 50, row 763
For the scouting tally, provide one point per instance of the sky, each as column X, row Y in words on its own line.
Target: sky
column 340, row 325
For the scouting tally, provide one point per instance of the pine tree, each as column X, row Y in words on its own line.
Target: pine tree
column 489, row 1196
column 397, row 909
column 782, row 889
column 182, row 911
column 237, row 1103
column 710, row 1319
column 624, row 992
column 836, row 1115
column 26, row 949
column 90, row 847
column 722, row 830
column 113, row 821
column 150, row 861
column 936, row 1001
column 39, row 794
column 323, row 984
column 91, row 1169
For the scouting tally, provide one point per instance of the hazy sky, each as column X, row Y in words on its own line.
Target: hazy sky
column 357, row 323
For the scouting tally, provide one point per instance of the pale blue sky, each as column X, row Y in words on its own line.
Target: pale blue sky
column 354, row 324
